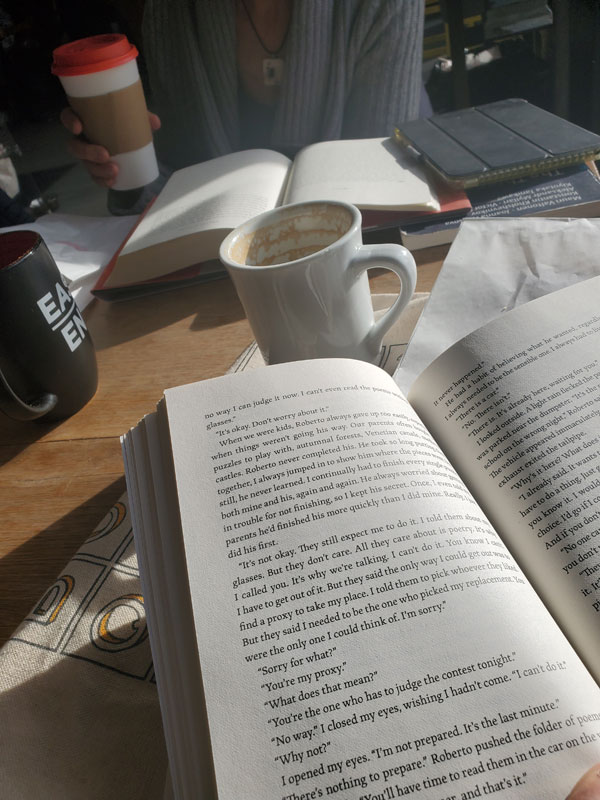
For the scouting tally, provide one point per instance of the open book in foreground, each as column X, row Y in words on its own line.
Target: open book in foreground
column 354, row 594
column 177, row 239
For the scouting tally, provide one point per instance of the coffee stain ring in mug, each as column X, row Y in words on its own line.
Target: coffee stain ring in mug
column 300, row 272
column 300, row 235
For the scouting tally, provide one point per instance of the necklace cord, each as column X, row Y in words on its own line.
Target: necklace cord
column 272, row 53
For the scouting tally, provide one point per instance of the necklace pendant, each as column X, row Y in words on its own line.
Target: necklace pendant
column 272, row 71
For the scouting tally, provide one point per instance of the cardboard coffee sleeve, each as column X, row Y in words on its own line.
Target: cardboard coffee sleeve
column 102, row 83
column 98, row 114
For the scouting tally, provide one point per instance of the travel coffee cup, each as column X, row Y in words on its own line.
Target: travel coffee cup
column 102, row 83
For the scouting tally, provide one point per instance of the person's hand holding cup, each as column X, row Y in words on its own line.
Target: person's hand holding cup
column 95, row 158
column 107, row 107
column 300, row 272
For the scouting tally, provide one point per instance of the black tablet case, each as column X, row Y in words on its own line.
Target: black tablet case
column 495, row 142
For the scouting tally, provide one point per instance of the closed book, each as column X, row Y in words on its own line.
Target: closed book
column 572, row 192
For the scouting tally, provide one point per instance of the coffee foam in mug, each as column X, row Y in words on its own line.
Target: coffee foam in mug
column 291, row 238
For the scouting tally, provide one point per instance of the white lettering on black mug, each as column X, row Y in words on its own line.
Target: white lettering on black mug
column 300, row 272
column 47, row 359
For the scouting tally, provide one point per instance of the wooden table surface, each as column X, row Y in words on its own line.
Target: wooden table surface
column 58, row 481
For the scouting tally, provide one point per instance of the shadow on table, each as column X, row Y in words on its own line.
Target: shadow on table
column 208, row 305
column 19, row 435
column 38, row 562
column 80, row 723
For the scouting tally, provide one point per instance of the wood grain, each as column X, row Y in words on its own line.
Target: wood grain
column 58, row 481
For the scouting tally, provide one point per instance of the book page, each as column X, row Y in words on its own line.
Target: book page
column 517, row 404
column 198, row 206
column 220, row 193
column 370, row 173
column 362, row 631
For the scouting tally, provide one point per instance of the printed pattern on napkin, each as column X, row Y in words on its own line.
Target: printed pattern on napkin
column 94, row 611
column 79, row 709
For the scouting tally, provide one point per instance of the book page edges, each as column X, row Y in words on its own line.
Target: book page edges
column 109, row 268
column 164, row 258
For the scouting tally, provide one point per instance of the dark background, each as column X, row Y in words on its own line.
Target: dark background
column 29, row 32
column 31, row 29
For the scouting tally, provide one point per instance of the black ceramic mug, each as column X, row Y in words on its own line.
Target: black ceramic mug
column 47, row 359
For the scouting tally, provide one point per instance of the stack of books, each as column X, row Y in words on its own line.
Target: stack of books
column 570, row 192
column 512, row 158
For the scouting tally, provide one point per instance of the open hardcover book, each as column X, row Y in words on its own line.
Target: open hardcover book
column 177, row 239
column 354, row 594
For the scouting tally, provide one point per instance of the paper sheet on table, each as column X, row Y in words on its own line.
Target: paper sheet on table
column 81, row 246
column 493, row 266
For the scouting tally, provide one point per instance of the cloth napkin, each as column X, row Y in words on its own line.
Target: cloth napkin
column 79, row 710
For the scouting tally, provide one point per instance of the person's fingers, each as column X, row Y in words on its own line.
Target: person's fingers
column 86, row 151
column 71, row 121
column 587, row 787
column 95, row 158
column 102, row 174
column 155, row 122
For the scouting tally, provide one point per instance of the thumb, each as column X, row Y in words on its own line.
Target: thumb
column 588, row 786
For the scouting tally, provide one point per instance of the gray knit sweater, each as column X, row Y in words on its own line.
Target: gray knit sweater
column 352, row 70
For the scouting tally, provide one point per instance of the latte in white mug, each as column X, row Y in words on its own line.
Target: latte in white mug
column 292, row 238
column 301, row 274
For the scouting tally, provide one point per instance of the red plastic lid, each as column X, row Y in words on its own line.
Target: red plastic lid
column 94, row 54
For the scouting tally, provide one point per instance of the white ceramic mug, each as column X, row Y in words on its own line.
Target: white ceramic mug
column 301, row 274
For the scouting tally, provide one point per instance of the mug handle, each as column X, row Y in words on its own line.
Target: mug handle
column 397, row 259
column 12, row 405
